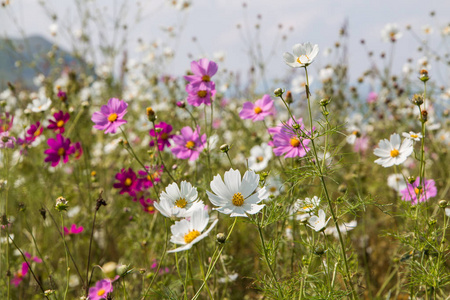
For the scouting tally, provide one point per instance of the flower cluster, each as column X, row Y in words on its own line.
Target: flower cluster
column 200, row 88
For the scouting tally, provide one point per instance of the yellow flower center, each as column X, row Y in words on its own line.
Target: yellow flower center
column 394, row 153
column 150, row 208
column 392, row 34
column 259, row 159
column 61, row 123
column 202, row 94
column 417, row 191
column 303, row 59
column 308, row 206
column 238, row 199
column 258, row 110
column 112, row 117
column 181, row 203
column 206, row 78
column 191, row 235
column 128, row 182
column 164, row 136
column 37, row 132
column 295, row 142
column 101, row 292
column 61, row 151
column 414, row 136
column 190, row 145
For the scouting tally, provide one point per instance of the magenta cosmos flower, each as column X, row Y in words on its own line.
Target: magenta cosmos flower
column 57, row 125
column 151, row 176
column 411, row 191
column 19, row 275
column 200, row 92
column 162, row 132
column 286, row 141
column 110, row 116
column 74, row 229
column 189, row 143
column 203, row 70
column 33, row 132
column 7, row 141
column 60, row 148
column 101, row 290
column 259, row 110
column 128, row 182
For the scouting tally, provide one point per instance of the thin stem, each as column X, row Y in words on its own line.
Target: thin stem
column 67, row 256
column 89, row 254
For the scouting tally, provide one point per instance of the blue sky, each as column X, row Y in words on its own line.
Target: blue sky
column 213, row 23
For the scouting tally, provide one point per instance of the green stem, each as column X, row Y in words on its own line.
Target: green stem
column 67, row 256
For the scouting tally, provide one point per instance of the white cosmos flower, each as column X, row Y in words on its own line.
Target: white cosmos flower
column 259, row 157
column 393, row 152
column 318, row 223
column 236, row 197
column 343, row 228
column 326, row 74
column 39, row 104
column 397, row 182
column 307, row 205
column 176, row 202
column 412, row 136
column 390, row 33
column 304, row 55
column 189, row 232
column 298, row 84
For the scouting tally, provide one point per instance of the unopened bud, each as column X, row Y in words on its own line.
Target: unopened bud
column 324, row 102
column 424, row 75
column 225, row 148
column 411, row 179
column 417, row 99
column 278, row 92
column 150, row 114
column 181, row 104
column 221, row 238
column 443, row 203
column 424, row 116
column 289, row 99
column 61, row 204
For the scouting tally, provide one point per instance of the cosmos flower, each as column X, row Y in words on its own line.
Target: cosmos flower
column 200, row 92
column 393, row 152
column 7, row 141
column 60, row 148
column 147, row 205
column 318, row 223
column 427, row 191
column 74, row 229
column 236, row 197
column 390, row 33
column 412, row 136
column 303, row 56
column 151, row 176
column 39, row 104
column 33, row 132
column 203, row 70
column 259, row 110
column 189, row 232
column 259, row 157
column 287, row 142
column 6, row 122
column 19, row 275
column 57, row 125
column 308, row 205
column 101, row 289
column 110, row 116
column 162, row 132
column 189, row 144
column 128, row 182
column 343, row 228
column 176, row 202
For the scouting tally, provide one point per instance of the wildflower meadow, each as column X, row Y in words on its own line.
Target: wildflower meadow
column 121, row 180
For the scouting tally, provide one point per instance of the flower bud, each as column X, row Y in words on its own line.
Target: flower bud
column 221, row 238
column 225, row 148
column 411, row 179
column 181, row 104
column 324, row 102
column 61, row 204
column 443, row 203
column 424, row 75
column 121, row 269
column 278, row 92
column 319, row 250
column 289, row 99
column 150, row 114
column 424, row 116
column 417, row 99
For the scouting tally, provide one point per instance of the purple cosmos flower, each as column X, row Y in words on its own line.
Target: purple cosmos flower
column 101, row 290
column 19, row 275
column 411, row 191
column 128, row 182
column 60, row 148
column 286, row 141
column 200, row 92
column 189, row 143
column 7, row 141
column 61, row 119
column 147, row 205
column 110, row 116
column 34, row 131
column 162, row 132
column 74, row 229
column 147, row 180
column 203, row 70
column 257, row 112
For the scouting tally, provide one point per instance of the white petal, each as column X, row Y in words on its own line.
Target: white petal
column 249, row 183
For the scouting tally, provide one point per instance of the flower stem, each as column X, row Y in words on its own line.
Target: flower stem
column 67, row 257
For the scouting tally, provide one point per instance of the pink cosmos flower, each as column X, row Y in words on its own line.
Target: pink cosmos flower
column 147, row 205
column 101, row 290
column 189, row 143
column 19, row 275
column 7, row 141
column 110, row 116
column 34, row 131
column 73, row 229
column 147, row 180
column 286, row 141
column 60, row 148
column 372, row 97
column 6, row 122
column 61, row 119
column 203, row 70
column 361, row 144
column 78, row 150
column 411, row 191
column 200, row 92
column 257, row 112
column 163, row 135
column 128, row 182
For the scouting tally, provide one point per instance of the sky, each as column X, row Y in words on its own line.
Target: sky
column 214, row 24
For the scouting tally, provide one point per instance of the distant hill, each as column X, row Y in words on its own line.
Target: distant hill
column 22, row 59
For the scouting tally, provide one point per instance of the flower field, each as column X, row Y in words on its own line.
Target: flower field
column 120, row 181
